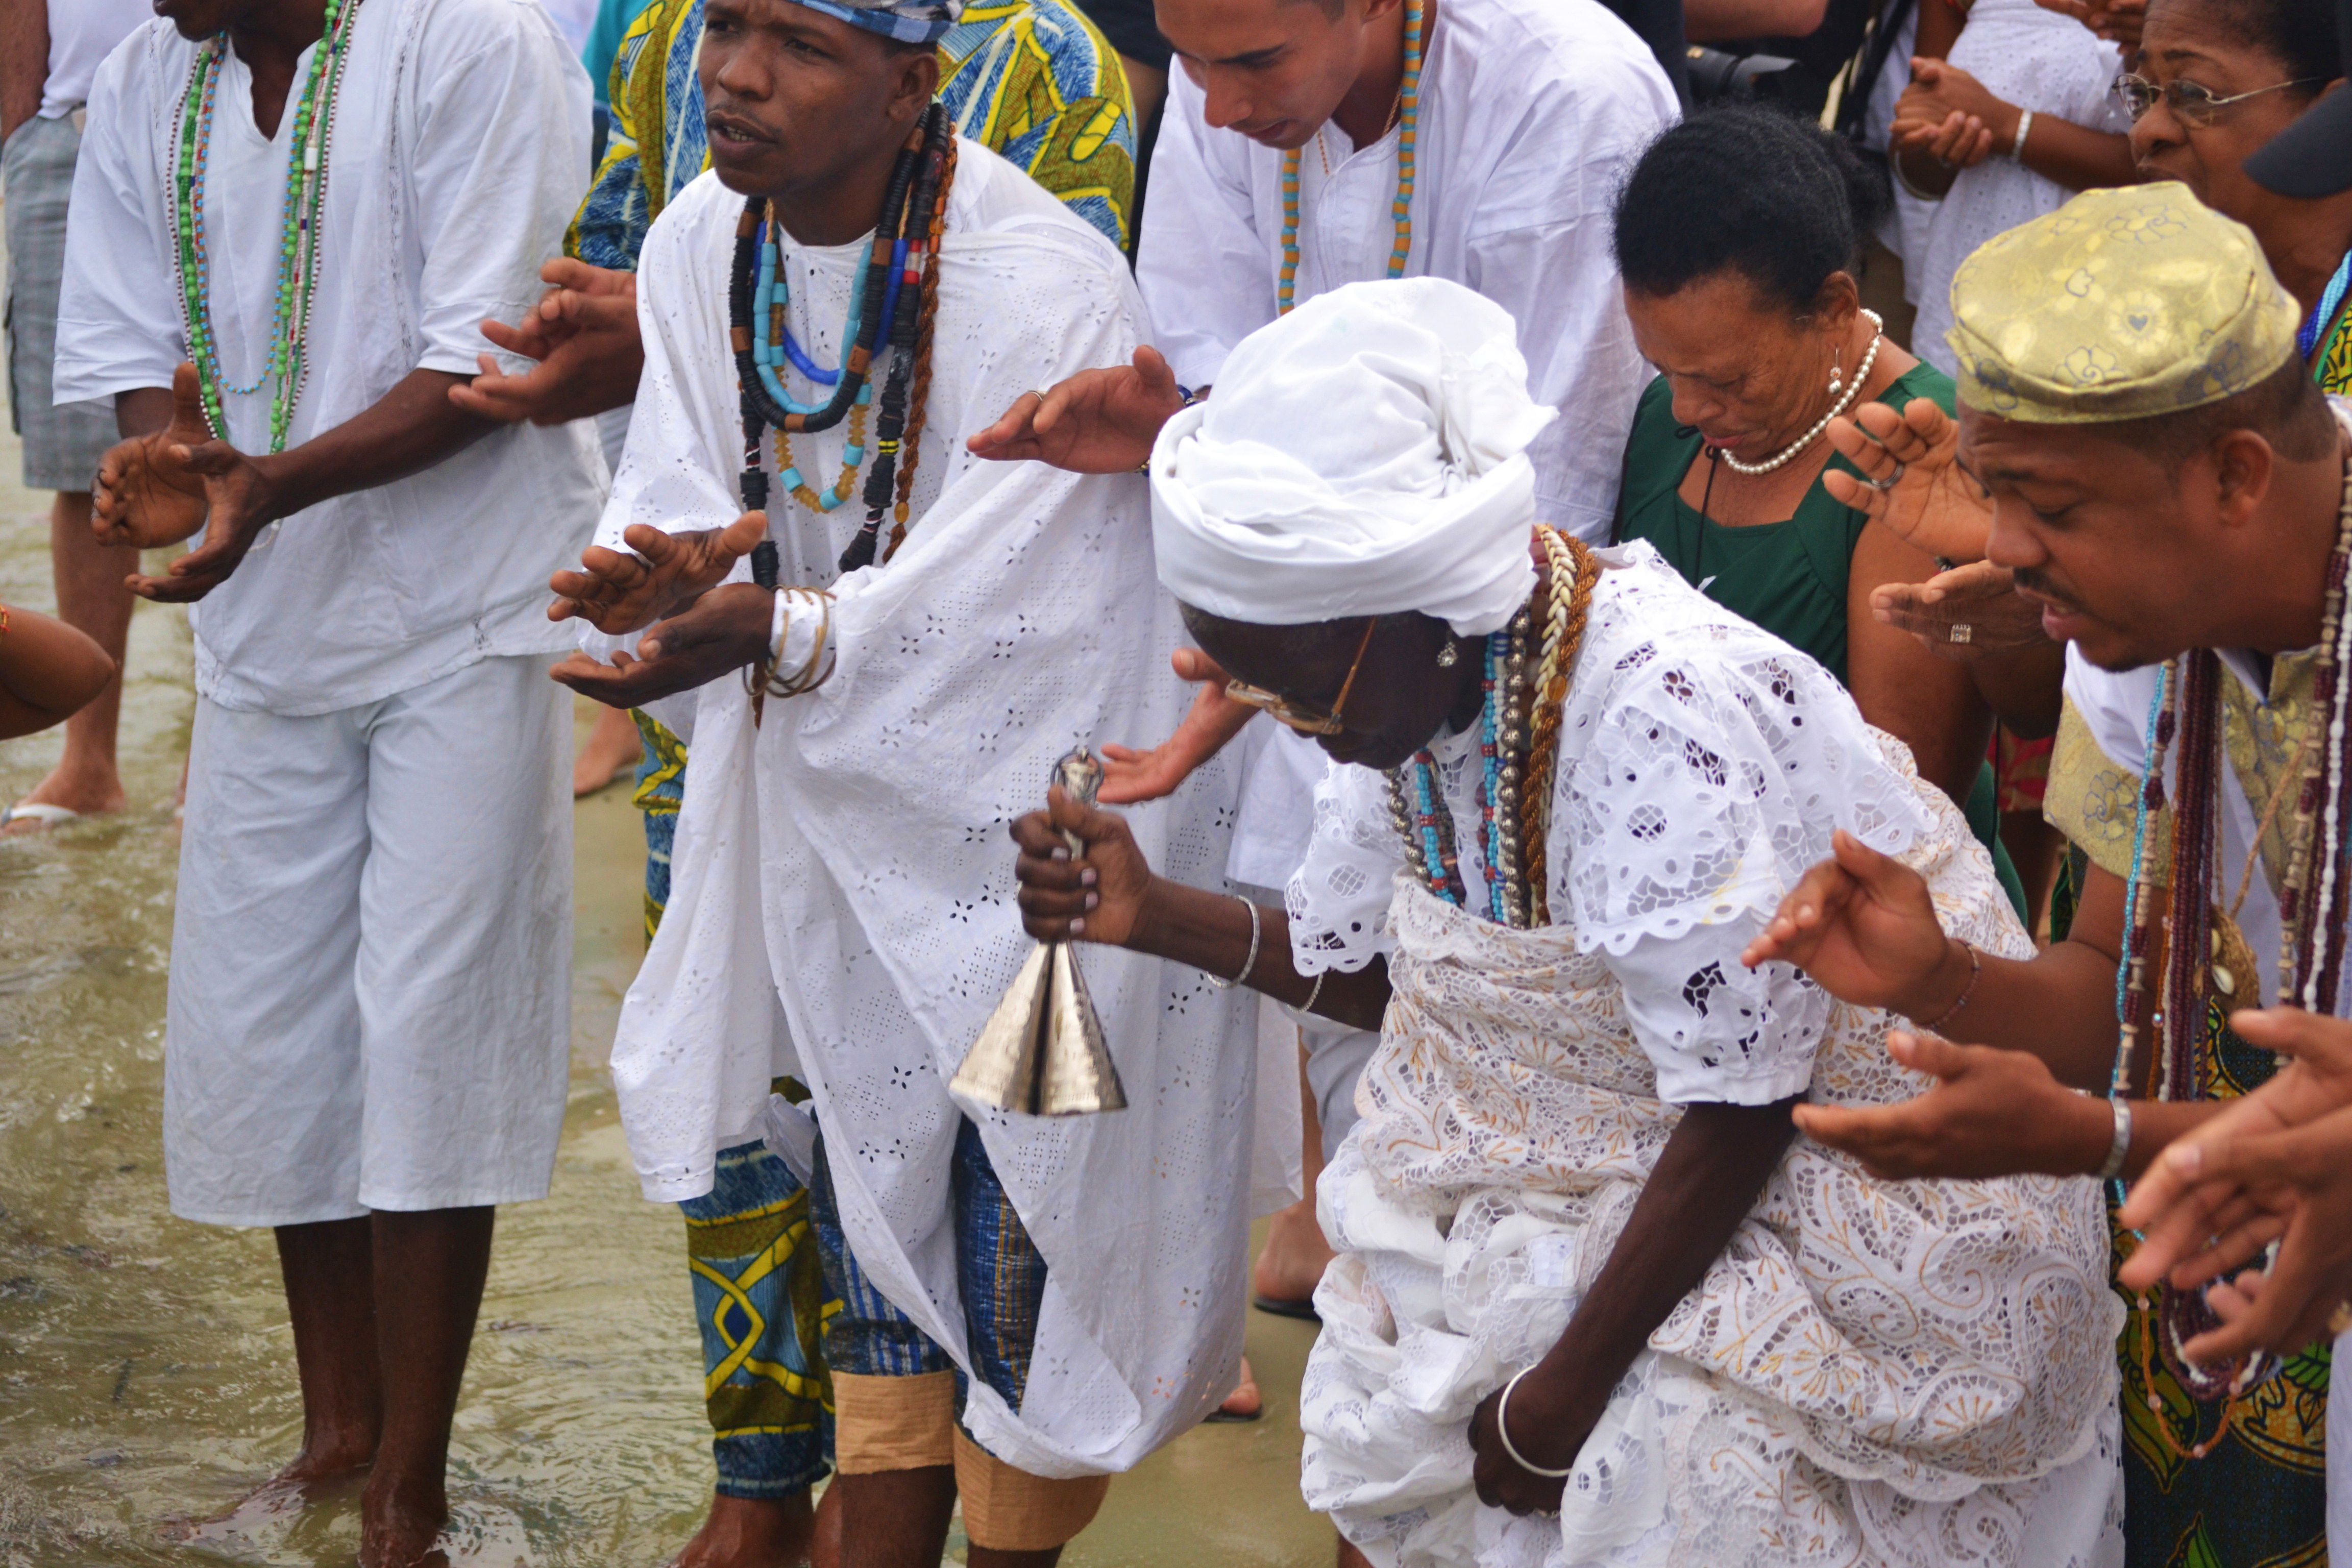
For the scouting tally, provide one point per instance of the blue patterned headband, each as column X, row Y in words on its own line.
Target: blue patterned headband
column 907, row 21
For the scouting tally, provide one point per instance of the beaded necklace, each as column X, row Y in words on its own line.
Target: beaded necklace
column 1408, row 114
column 2185, row 716
column 914, row 213
column 286, row 367
column 1518, row 751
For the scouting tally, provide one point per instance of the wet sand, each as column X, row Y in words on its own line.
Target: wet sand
column 146, row 1369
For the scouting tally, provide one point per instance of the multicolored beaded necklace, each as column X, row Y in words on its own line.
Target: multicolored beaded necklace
column 1517, row 752
column 914, row 214
column 1408, row 114
column 287, row 365
column 2201, row 942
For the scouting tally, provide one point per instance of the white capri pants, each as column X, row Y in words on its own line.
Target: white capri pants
column 372, row 953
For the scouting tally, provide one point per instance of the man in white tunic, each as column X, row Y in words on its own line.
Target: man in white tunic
column 1591, row 1307
column 368, row 1037
column 1312, row 143
column 1028, row 1304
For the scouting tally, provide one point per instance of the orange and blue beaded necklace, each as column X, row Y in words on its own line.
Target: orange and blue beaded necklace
column 1407, row 114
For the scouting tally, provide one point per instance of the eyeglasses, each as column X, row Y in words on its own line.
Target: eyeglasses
column 2192, row 103
column 1305, row 720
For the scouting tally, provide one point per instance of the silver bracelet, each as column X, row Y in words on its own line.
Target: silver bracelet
column 1308, row 1006
column 1503, row 1430
column 2017, row 143
column 2118, row 1150
column 1251, row 962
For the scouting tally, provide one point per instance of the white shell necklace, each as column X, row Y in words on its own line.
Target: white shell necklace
column 1852, row 391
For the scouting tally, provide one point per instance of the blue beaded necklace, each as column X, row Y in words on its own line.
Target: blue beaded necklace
column 772, row 344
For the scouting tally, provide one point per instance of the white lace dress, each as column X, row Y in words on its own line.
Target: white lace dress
column 2037, row 60
column 1871, row 1373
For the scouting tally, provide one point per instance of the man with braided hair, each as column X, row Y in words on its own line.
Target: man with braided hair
column 1027, row 1305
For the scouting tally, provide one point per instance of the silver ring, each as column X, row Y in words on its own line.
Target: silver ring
column 1038, row 395
column 1962, row 632
column 1891, row 480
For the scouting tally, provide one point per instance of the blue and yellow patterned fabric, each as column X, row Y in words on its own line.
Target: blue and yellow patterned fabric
column 760, row 1302
column 1000, row 1274
column 1032, row 80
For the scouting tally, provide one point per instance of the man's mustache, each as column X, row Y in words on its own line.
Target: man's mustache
column 2029, row 581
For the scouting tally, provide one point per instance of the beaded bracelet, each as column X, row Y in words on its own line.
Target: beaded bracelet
column 1976, row 973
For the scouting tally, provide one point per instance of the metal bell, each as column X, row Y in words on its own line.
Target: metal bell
column 1043, row 1051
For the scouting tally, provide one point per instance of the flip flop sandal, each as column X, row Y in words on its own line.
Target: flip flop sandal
column 40, row 811
column 1303, row 1310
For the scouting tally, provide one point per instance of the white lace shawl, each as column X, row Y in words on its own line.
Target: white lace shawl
column 842, row 874
column 1703, row 765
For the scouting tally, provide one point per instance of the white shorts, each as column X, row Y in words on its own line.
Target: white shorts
column 372, row 953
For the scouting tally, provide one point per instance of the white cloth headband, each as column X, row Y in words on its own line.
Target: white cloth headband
column 1364, row 455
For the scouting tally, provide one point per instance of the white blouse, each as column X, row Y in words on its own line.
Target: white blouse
column 1694, row 787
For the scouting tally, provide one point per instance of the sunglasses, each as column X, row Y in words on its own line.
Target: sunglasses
column 2192, row 103
column 1305, row 720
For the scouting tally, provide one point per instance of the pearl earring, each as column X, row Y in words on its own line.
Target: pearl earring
column 1447, row 656
column 1837, row 376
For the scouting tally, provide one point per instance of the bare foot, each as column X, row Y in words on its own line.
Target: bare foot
column 1244, row 1402
column 611, row 750
column 89, row 790
column 309, row 1480
column 400, row 1527
column 1295, row 1258
column 751, row 1532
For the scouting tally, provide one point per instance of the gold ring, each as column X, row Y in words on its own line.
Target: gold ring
column 1962, row 632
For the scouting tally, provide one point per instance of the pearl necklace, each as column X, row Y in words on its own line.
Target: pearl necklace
column 1852, row 391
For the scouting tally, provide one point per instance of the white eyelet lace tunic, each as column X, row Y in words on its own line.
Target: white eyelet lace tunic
column 1871, row 1373
column 842, row 895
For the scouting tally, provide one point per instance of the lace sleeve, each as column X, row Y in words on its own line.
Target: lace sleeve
column 1338, row 898
column 1705, row 780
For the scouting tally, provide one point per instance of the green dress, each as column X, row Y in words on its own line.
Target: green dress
column 1789, row 577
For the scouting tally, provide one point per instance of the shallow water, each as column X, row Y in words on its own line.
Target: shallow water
column 146, row 1369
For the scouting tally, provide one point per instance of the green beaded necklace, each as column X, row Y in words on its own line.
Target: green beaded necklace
column 287, row 365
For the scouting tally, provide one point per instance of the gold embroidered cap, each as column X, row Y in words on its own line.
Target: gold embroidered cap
column 2122, row 304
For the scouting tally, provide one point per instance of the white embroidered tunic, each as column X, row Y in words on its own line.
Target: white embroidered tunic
column 842, row 899
column 1870, row 1371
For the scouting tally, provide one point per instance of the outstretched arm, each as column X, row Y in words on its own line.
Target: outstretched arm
column 1706, row 1179
column 409, row 429
column 47, row 670
column 1864, row 928
column 1109, row 894
column 1213, row 720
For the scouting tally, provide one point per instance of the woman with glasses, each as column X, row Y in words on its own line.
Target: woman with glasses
column 2215, row 80
column 1592, row 1306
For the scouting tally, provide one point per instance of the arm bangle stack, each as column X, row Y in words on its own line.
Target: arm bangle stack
column 2120, row 1149
column 1256, row 929
column 1503, row 1430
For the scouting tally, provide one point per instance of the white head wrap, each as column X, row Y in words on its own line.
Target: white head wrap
column 1362, row 455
